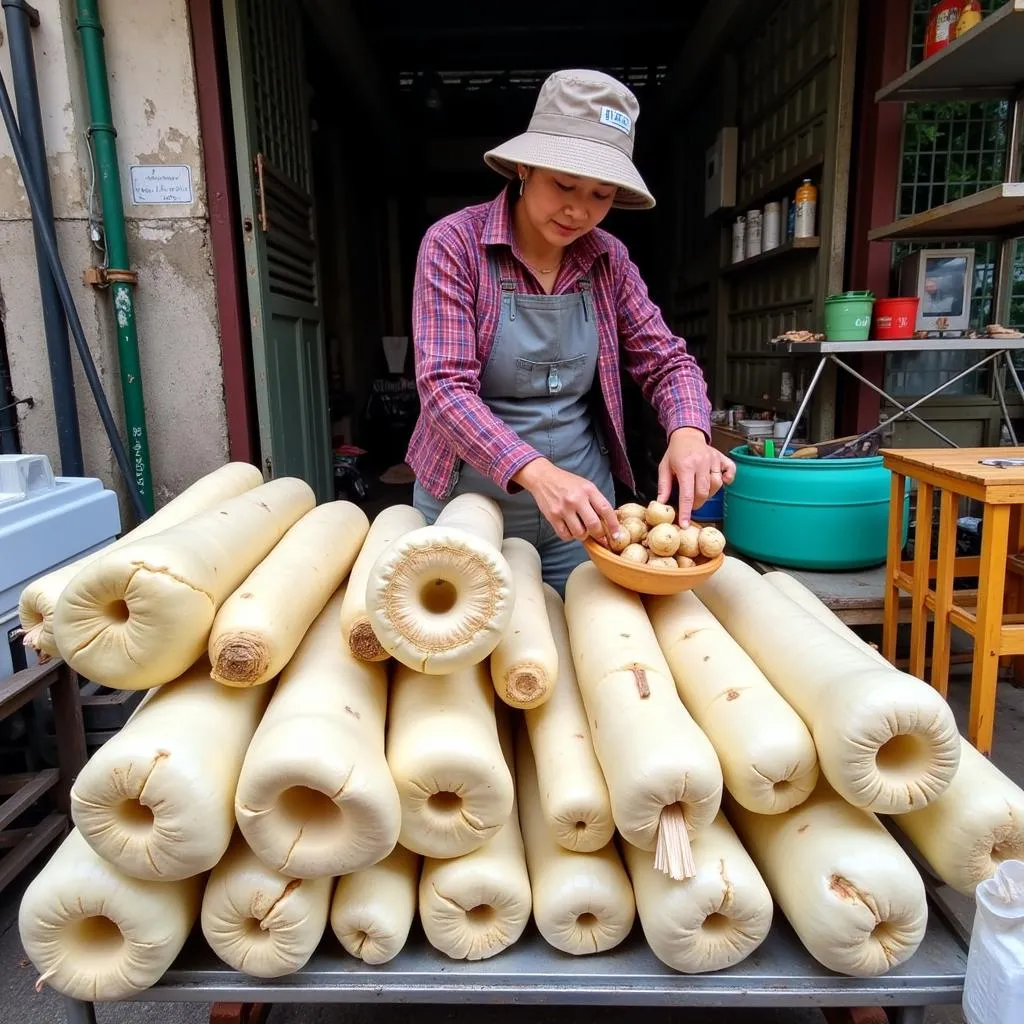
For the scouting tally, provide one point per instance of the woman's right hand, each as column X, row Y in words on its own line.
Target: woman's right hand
column 572, row 505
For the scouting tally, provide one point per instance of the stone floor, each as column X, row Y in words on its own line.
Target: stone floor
column 19, row 1004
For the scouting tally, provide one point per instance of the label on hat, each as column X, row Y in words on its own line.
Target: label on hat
column 617, row 119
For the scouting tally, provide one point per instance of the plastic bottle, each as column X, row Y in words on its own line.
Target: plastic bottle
column 994, row 980
column 806, row 209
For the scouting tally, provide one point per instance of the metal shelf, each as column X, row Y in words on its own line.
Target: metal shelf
column 985, row 63
column 905, row 345
column 793, row 245
column 779, row 973
column 997, row 211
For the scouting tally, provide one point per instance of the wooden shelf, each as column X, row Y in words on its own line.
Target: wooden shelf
column 985, row 63
column 783, row 184
column 793, row 245
column 996, row 211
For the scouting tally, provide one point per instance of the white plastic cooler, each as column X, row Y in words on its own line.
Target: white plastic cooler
column 45, row 522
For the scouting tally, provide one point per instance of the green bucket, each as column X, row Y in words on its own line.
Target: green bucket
column 848, row 316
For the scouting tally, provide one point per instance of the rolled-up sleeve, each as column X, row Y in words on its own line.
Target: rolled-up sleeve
column 448, row 365
column 668, row 376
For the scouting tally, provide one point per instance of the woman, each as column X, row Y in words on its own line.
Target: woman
column 521, row 308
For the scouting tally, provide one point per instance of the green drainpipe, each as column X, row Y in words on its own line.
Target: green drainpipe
column 103, row 137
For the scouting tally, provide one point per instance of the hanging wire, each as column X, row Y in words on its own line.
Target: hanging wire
column 49, row 244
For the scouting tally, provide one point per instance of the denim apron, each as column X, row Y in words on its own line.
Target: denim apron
column 537, row 379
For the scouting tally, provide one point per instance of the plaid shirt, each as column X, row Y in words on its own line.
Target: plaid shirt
column 456, row 310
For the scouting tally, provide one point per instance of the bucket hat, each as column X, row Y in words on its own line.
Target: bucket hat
column 584, row 123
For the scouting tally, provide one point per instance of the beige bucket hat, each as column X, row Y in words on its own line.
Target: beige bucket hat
column 584, row 123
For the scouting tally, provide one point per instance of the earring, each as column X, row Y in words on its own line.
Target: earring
column 522, row 185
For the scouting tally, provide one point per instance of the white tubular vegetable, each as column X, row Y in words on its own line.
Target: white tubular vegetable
column 474, row 906
column 767, row 755
column 97, row 935
column 315, row 797
column 975, row 825
column 853, row 897
column 440, row 598
column 582, row 902
column 373, row 909
column 886, row 741
column 809, row 601
column 978, row 822
column 445, row 757
column 663, row 774
column 259, row 921
column 712, row 921
column 389, row 524
column 157, row 799
column 39, row 599
column 259, row 627
column 141, row 615
column 524, row 665
column 573, row 794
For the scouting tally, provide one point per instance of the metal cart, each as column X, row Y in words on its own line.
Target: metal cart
column 778, row 974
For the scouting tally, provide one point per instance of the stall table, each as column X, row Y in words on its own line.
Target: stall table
column 778, row 974
column 989, row 351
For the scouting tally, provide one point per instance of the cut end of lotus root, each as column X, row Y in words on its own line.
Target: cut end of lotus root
column 674, row 855
column 443, row 599
column 240, row 661
column 524, row 687
column 363, row 642
column 31, row 638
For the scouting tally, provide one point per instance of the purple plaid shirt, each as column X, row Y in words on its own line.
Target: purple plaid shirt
column 456, row 310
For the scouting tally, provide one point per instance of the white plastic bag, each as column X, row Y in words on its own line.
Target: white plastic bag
column 994, row 982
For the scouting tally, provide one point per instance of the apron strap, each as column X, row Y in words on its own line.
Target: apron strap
column 507, row 279
column 585, row 296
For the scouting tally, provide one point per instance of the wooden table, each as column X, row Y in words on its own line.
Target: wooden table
column 997, row 632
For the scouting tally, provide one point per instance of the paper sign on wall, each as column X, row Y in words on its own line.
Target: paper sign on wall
column 161, row 185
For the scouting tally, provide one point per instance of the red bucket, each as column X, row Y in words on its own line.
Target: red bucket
column 895, row 319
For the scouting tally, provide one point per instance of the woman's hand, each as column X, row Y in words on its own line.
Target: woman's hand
column 573, row 506
column 700, row 470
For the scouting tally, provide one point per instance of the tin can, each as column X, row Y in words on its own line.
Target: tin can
column 753, row 233
column 739, row 239
column 771, row 227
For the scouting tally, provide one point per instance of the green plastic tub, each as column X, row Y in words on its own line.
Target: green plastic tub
column 825, row 514
column 848, row 316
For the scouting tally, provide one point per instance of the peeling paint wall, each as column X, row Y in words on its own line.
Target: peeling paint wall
column 153, row 95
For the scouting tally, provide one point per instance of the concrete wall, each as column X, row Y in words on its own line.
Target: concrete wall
column 153, row 94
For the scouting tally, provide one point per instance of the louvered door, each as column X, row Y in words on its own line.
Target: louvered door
column 272, row 145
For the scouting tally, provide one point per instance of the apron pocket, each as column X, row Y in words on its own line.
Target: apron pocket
column 537, row 380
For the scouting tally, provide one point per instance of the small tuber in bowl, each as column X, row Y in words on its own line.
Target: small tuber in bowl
column 655, row 556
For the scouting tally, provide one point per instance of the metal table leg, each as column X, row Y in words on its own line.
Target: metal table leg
column 906, row 1014
column 76, row 1012
column 905, row 410
column 1001, row 395
column 804, row 402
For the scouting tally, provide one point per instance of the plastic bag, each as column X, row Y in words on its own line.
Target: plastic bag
column 994, row 982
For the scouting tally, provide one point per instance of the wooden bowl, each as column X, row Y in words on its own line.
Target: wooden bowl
column 645, row 579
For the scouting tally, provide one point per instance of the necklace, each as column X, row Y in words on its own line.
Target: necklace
column 540, row 270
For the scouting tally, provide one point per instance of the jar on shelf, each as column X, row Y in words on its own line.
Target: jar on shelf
column 771, row 227
column 739, row 239
column 753, row 233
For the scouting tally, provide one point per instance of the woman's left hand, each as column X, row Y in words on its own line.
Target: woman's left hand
column 699, row 469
